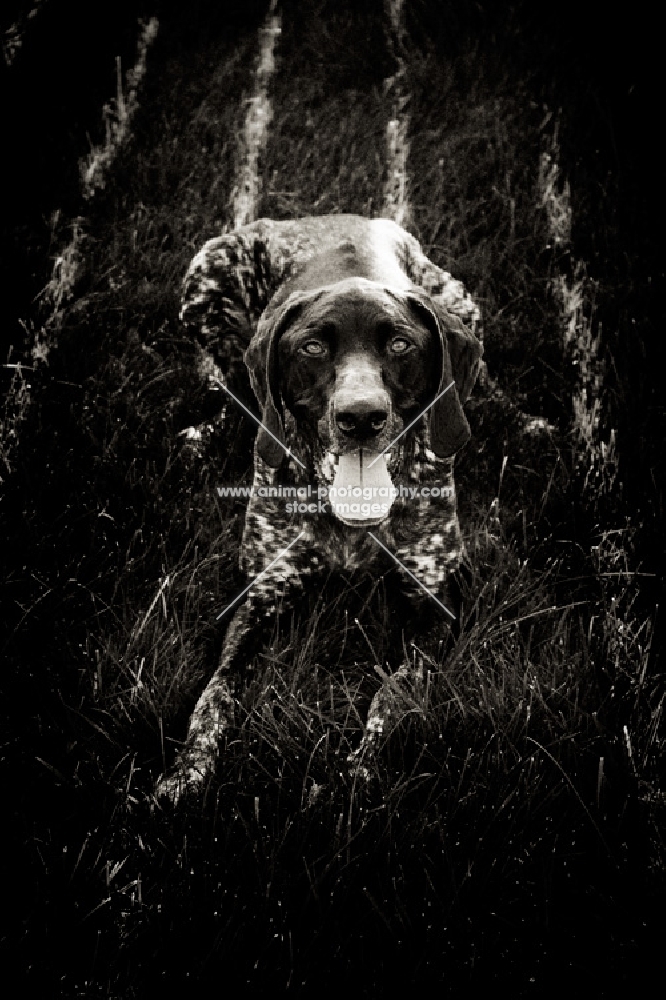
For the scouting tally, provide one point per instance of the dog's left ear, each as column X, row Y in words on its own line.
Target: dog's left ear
column 459, row 361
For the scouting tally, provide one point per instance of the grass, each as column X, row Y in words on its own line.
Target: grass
column 512, row 830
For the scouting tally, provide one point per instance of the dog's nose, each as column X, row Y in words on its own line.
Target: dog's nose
column 361, row 404
column 360, row 422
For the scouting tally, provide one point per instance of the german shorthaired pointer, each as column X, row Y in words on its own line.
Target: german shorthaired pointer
column 349, row 333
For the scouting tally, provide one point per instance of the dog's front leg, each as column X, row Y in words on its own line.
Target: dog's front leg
column 214, row 711
column 401, row 692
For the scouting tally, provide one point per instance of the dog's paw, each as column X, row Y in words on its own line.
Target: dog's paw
column 359, row 770
column 184, row 783
column 362, row 762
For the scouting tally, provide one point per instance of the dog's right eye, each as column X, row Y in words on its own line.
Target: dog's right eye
column 313, row 348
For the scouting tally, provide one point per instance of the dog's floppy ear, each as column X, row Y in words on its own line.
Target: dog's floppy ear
column 459, row 361
column 261, row 358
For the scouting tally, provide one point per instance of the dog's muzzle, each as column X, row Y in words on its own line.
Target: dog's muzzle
column 362, row 491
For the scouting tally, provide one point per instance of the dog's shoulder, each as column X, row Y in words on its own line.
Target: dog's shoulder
column 234, row 277
column 237, row 277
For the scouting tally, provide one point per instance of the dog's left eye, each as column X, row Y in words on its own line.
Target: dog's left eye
column 313, row 347
column 399, row 345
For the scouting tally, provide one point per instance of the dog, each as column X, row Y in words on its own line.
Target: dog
column 361, row 353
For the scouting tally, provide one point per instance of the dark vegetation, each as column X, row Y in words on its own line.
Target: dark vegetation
column 513, row 832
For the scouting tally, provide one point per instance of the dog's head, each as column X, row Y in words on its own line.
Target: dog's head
column 354, row 363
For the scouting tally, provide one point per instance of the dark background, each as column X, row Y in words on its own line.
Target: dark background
column 68, row 577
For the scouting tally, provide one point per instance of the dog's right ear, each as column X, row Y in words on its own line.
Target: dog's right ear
column 261, row 358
